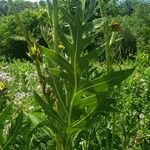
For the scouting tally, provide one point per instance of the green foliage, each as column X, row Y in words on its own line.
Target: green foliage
column 16, row 47
column 138, row 24
column 79, row 103
column 16, row 132
column 68, row 91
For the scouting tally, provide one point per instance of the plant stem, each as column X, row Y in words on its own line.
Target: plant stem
column 103, row 12
column 55, row 24
column 56, row 42
column 18, row 20
column 113, row 131
column 49, row 12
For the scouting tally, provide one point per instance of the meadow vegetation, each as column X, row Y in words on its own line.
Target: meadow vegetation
column 74, row 75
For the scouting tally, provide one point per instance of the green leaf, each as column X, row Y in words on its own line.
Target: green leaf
column 65, row 41
column 105, row 82
column 88, row 58
column 87, row 101
column 68, row 17
column 35, row 117
column 60, row 74
column 56, row 57
column 84, row 119
column 97, row 23
column 90, row 10
column 57, row 87
column 77, row 32
column 6, row 113
column 112, row 39
column 49, row 111
column 54, row 130
column 86, row 41
column 14, row 130
column 92, row 26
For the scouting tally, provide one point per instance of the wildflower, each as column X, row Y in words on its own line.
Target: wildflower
column 22, row 95
column 61, row 46
column 4, row 76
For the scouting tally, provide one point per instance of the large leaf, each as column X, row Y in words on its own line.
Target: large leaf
column 83, row 120
column 77, row 32
column 53, row 129
column 105, row 82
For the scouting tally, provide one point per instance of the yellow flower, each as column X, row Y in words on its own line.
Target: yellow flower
column 2, row 86
column 34, row 52
column 61, row 46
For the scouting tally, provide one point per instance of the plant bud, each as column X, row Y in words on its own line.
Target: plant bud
column 115, row 26
column 61, row 46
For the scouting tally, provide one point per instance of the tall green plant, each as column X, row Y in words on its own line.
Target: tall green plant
column 64, row 84
column 102, row 4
